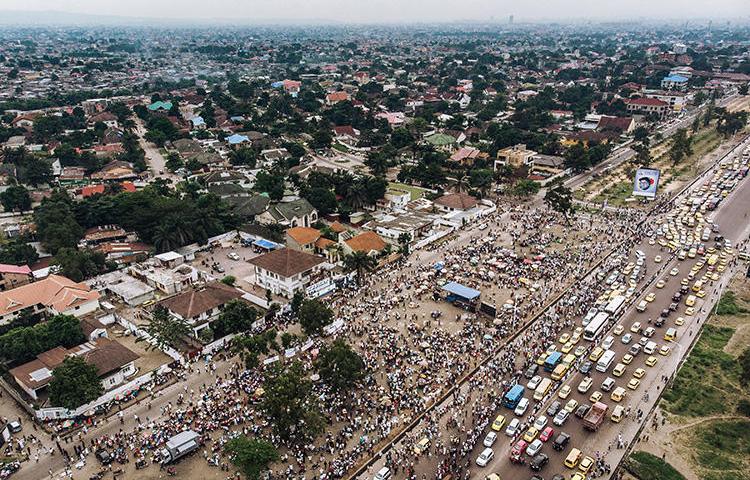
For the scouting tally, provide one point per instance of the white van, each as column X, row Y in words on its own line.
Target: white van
column 642, row 305
column 608, row 342
column 605, row 361
column 650, row 348
column 522, row 406
column 383, row 474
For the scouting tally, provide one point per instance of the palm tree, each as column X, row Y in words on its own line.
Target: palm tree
column 164, row 238
column 361, row 263
column 461, row 183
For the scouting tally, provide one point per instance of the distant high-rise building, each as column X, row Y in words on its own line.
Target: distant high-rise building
column 510, row 19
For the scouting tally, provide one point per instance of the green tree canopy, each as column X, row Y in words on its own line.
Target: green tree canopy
column 340, row 366
column 165, row 330
column 74, row 383
column 289, row 403
column 251, row 456
column 313, row 316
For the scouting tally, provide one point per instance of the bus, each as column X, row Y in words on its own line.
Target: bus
column 552, row 361
column 615, row 305
column 603, row 364
column 596, row 326
column 542, row 389
column 513, row 396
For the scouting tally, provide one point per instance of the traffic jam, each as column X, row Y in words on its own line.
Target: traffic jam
column 600, row 371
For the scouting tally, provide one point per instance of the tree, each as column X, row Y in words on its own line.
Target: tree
column 361, row 263
column 250, row 347
column 164, row 330
column 74, row 383
column 243, row 156
column 229, row 280
column 526, row 188
column 174, row 162
column 340, row 366
column 560, row 199
column 296, row 302
column 313, row 316
column 18, row 252
column 236, row 316
column 404, row 241
column 322, row 138
column 577, row 157
column 289, row 403
column 681, row 146
column 730, row 123
column 22, row 344
column 251, row 456
column 79, row 265
column 16, row 197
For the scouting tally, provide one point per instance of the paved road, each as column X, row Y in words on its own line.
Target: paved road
column 732, row 218
column 734, row 206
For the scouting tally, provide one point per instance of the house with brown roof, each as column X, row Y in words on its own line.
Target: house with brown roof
column 311, row 240
column 285, row 271
column 199, row 306
column 368, row 242
column 12, row 276
column 113, row 361
column 452, row 202
column 54, row 295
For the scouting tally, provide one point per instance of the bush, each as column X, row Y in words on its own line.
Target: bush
column 728, row 305
column 645, row 466
column 743, row 408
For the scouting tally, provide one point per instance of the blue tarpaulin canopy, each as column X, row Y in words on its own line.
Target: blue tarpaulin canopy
column 268, row 245
column 461, row 290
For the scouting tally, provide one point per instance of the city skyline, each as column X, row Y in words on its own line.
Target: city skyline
column 379, row 11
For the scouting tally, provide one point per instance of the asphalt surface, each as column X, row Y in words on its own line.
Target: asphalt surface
column 732, row 219
column 731, row 216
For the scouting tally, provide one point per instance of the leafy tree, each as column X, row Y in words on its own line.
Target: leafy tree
column 18, row 252
column 340, row 366
column 251, row 456
column 730, row 123
column 313, row 316
column 244, row 156
column 322, row 199
column 577, row 157
column 404, row 241
column 229, row 280
column 296, row 302
column 289, row 403
column 56, row 224
column 271, row 183
column 174, row 162
column 526, row 188
column 681, row 146
column 401, row 137
column 322, row 138
column 560, row 199
column 236, row 316
column 74, row 383
column 79, row 265
column 16, row 197
column 164, row 330
column 250, row 347
column 361, row 263
column 22, row 344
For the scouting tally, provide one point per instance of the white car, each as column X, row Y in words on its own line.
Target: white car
column 674, row 272
column 534, row 447
column 534, row 382
column 489, row 439
column 627, row 338
column 540, row 423
column 608, row 342
column 512, row 428
column 233, row 256
column 484, row 458
column 521, row 407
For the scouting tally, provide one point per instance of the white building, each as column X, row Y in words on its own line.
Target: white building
column 286, row 271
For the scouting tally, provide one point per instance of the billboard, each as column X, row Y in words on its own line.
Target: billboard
column 646, row 182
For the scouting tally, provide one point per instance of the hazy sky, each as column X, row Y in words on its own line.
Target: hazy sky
column 393, row 10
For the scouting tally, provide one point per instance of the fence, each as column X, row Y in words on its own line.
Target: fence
column 137, row 331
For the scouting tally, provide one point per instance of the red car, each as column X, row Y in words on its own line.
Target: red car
column 516, row 455
column 546, row 434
